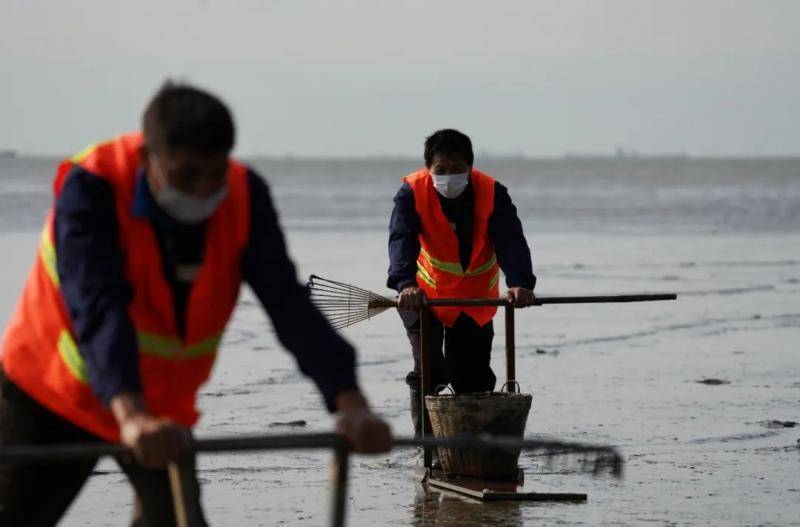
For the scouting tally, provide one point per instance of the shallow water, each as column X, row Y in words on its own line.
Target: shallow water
column 725, row 239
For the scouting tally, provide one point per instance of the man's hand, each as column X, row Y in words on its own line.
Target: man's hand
column 520, row 297
column 154, row 441
column 411, row 298
column 365, row 431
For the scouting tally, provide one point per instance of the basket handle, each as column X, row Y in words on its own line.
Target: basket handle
column 445, row 387
column 515, row 383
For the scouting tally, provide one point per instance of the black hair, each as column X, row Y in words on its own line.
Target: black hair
column 182, row 116
column 448, row 141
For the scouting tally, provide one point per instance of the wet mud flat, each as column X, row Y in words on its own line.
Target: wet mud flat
column 696, row 394
column 697, row 453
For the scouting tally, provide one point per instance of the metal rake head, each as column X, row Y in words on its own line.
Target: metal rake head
column 345, row 304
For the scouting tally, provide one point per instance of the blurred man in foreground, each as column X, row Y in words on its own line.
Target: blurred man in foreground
column 137, row 274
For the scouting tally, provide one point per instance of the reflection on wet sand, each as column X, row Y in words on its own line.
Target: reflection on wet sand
column 445, row 509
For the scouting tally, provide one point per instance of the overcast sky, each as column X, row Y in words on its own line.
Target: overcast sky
column 372, row 77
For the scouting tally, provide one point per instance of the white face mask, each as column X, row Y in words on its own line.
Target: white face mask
column 188, row 209
column 182, row 206
column 450, row 185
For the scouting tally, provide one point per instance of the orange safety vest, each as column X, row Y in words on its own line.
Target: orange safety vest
column 39, row 349
column 439, row 271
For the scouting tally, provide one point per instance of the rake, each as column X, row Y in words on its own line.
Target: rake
column 345, row 304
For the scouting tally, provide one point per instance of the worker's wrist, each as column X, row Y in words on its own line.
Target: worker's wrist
column 128, row 405
column 351, row 401
column 521, row 281
column 406, row 285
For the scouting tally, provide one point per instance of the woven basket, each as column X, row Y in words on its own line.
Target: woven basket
column 493, row 413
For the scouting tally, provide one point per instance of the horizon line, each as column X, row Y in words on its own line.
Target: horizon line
column 566, row 156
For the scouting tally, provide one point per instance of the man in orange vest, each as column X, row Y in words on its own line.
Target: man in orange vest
column 137, row 273
column 452, row 230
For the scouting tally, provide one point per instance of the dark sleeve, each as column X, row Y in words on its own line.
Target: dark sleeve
column 320, row 352
column 404, row 228
column 96, row 293
column 510, row 244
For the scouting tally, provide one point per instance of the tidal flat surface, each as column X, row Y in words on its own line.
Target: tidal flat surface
column 641, row 377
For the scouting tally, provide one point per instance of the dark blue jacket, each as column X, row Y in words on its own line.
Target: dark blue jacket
column 505, row 231
column 90, row 266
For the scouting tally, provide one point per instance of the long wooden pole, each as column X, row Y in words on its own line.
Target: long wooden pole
column 315, row 441
column 547, row 300
column 341, row 469
column 511, row 375
column 425, row 366
column 46, row 453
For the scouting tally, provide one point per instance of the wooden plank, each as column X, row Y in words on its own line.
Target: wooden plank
column 456, row 488
column 490, row 495
column 503, row 491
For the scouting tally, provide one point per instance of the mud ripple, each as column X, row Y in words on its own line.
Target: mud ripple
column 746, row 436
column 712, row 382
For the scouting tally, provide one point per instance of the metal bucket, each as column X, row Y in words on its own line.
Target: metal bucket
column 497, row 413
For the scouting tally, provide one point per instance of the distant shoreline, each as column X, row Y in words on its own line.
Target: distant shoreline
column 479, row 158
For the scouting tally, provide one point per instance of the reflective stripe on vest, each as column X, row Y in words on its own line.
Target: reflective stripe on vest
column 149, row 344
column 173, row 348
column 425, row 276
column 455, row 267
column 47, row 252
column 71, row 357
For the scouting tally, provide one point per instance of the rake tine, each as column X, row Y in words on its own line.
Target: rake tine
column 338, row 295
column 345, row 304
column 325, row 287
column 334, row 298
column 339, row 316
column 347, row 322
column 342, row 285
column 322, row 293
column 347, row 319
column 331, row 301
